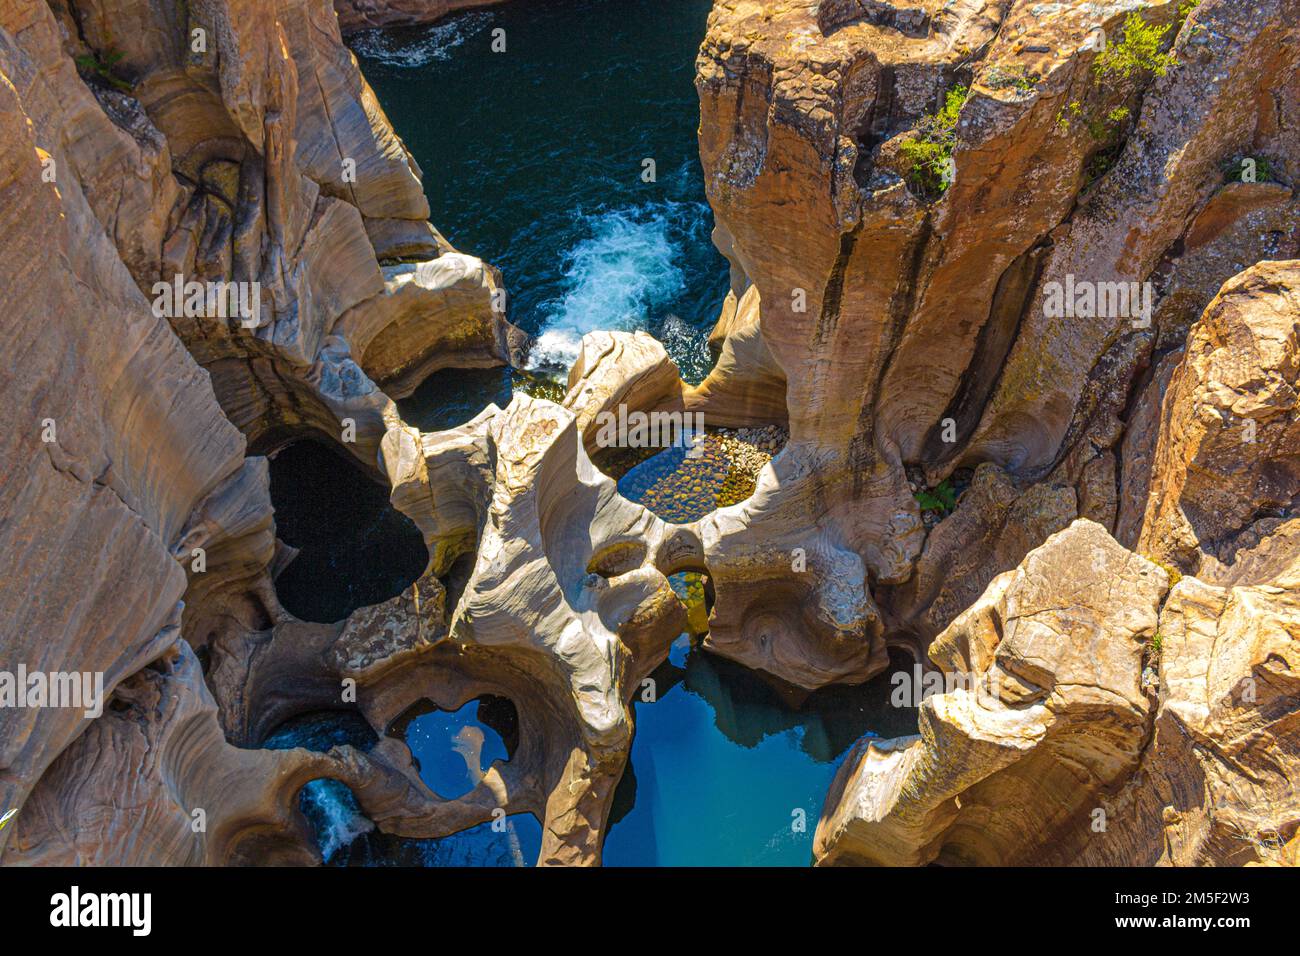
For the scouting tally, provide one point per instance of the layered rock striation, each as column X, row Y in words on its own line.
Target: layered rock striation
column 906, row 193
column 151, row 149
column 1020, row 279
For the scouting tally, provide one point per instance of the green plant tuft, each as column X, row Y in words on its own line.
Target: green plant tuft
column 1235, row 170
column 103, row 67
column 1137, row 52
column 926, row 155
column 941, row 498
column 1174, row 574
column 998, row 78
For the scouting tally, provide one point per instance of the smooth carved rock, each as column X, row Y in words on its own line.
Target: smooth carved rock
column 620, row 368
column 874, row 318
column 745, row 386
column 445, row 312
column 910, row 330
column 869, row 301
column 827, row 597
column 1097, row 745
column 1047, row 710
column 284, row 172
column 1229, row 448
column 132, row 514
column 154, row 783
column 115, row 440
column 565, row 610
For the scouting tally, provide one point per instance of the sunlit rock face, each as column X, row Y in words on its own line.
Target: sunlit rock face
column 117, row 437
column 1227, row 467
column 1178, row 745
column 1049, row 712
column 909, row 317
column 567, row 606
column 1128, row 725
column 233, row 144
column 1004, row 485
column 263, row 160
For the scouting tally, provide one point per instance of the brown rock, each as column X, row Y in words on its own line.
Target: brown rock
column 1230, row 428
column 1042, row 712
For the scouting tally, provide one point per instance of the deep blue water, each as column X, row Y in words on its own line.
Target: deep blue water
column 452, row 750
column 346, row 838
column 533, row 160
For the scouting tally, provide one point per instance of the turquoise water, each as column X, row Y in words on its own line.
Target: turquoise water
column 727, row 771
column 533, row 160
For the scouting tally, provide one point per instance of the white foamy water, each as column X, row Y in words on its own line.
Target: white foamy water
column 408, row 50
column 341, row 823
column 617, row 278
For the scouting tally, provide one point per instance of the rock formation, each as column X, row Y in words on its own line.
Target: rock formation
column 1027, row 302
column 567, row 606
column 235, row 144
column 1229, row 451
column 903, row 295
column 1132, row 726
column 360, row 14
column 1090, row 713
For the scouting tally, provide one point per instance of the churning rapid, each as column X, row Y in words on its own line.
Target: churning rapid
column 569, row 161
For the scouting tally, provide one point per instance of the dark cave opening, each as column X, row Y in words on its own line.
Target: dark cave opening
column 355, row 548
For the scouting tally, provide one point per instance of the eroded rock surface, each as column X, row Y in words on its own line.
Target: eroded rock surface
column 1229, row 449
column 1093, row 717
column 903, row 309
column 959, row 453
column 1046, row 711
column 224, row 143
column 566, row 608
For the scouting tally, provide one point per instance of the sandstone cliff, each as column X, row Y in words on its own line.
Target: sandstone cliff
column 222, row 143
column 360, row 14
column 904, row 189
column 900, row 188
column 1080, row 519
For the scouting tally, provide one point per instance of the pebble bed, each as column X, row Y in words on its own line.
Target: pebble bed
column 682, row 485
